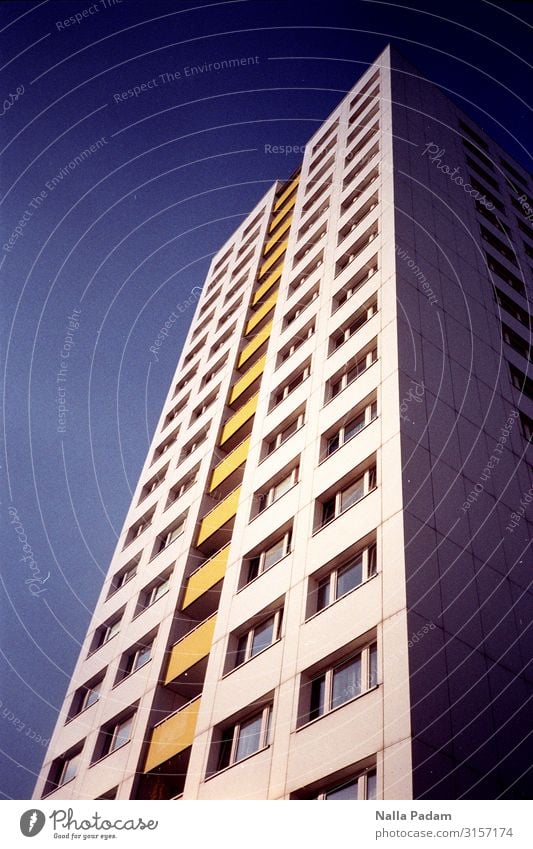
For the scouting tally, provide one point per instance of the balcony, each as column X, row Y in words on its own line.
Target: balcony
column 247, row 380
column 230, row 464
column 190, row 649
column 272, row 278
column 239, row 419
column 274, row 256
column 290, row 188
column 172, row 735
column 282, row 213
column 261, row 312
column 206, row 576
column 277, row 234
column 219, row 516
column 255, row 344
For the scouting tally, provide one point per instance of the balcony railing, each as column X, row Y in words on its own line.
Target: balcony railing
column 192, row 648
column 219, row 516
column 258, row 340
column 261, row 312
column 240, row 418
column 247, row 379
column 173, row 734
column 265, row 287
column 206, row 576
column 230, row 464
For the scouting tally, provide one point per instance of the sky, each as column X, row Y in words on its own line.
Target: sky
column 127, row 160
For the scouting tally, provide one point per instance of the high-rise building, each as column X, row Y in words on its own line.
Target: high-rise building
column 322, row 588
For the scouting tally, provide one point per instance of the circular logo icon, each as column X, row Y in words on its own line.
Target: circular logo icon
column 32, row 822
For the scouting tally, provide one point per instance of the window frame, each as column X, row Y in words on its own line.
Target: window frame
column 249, row 636
column 370, row 414
column 369, row 479
column 234, row 731
column 330, row 578
column 261, row 558
column 368, row 658
column 363, row 360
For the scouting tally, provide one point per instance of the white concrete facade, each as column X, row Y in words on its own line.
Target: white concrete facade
column 336, row 691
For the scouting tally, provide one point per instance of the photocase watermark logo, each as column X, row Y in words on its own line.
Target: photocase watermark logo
column 435, row 155
column 182, row 306
column 32, row 822
column 411, row 264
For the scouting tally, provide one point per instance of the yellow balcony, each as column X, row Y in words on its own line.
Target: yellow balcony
column 277, row 235
column 255, row 344
column 230, row 464
column 282, row 213
column 240, row 418
column 218, row 516
column 205, row 578
column 172, row 735
column 290, row 188
column 273, row 258
column 191, row 649
column 247, row 379
column 261, row 311
column 272, row 278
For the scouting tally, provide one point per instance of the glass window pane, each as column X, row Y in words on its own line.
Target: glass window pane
column 225, row 748
column 349, row 791
column 353, row 494
column 372, row 561
column 253, row 569
column 373, row 666
column 328, row 510
column 272, row 555
column 142, row 656
column 282, row 487
column 346, row 682
column 249, row 738
column 263, row 636
column 92, row 695
column 353, row 427
column 318, row 690
column 333, row 444
column 350, row 576
column 240, row 654
column 371, row 785
column 122, row 733
column 70, row 769
column 323, row 594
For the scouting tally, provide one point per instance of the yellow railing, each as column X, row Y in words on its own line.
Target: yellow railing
column 218, row 516
column 261, row 312
column 172, row 735
column 258, row 340
column 277, row 235
column 190, row 649
column 240, row 418
column 229, row 464
column 206, row 576
column 247, row 379
column 274, row 256
column 292, row 185
column 272, row 278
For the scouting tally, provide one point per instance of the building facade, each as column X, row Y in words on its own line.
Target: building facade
column 323, row 584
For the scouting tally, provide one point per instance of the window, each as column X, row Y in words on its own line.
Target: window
column 338, row 683
column 360, row 166
column 254, row 640
column 510, row 306
column 479, row 187
column 227, row 315
column 347, row 431
column 353, row 252
column 63, row 770
column 153, row 592
column 354, row 195
column 222, row 260
column 527, row 427
column 351, row 573
column 214, row 371
column 153, row 483
column 357, row 321
column 481, row 156
column 275, row 491
column 193, row 444
column 106, row 632
column 493, row 219
column 473, row 135
column 164, row 539
column 175, row 411
column 358, row 217
column 521, row 382
column 113, row 736
column 323, row 139
column 354, row 284
column 244, row 738
column 139, row 526
column 357, row 127
column 202, row 408
column 514, row 172
column 86, row 696
column 331, row 507
column 268, row 557
column 289, row 386
column 482, row 173
column 352, row 371
column 296, row 342
column 284, row 432
column 506, row 251
column 502, row 272
column 517, row 343
column 357, row 97
column 167, row 443
column 318, row 195
column 198, row 347
column 124, row 575
column 182, row 486
column 353, row 154
column 135, row 658
column 185, row 381
column 359, row 785
column 300, row 306
column 222, row 341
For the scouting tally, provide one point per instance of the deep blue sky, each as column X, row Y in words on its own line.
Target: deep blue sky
column 127, row 234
